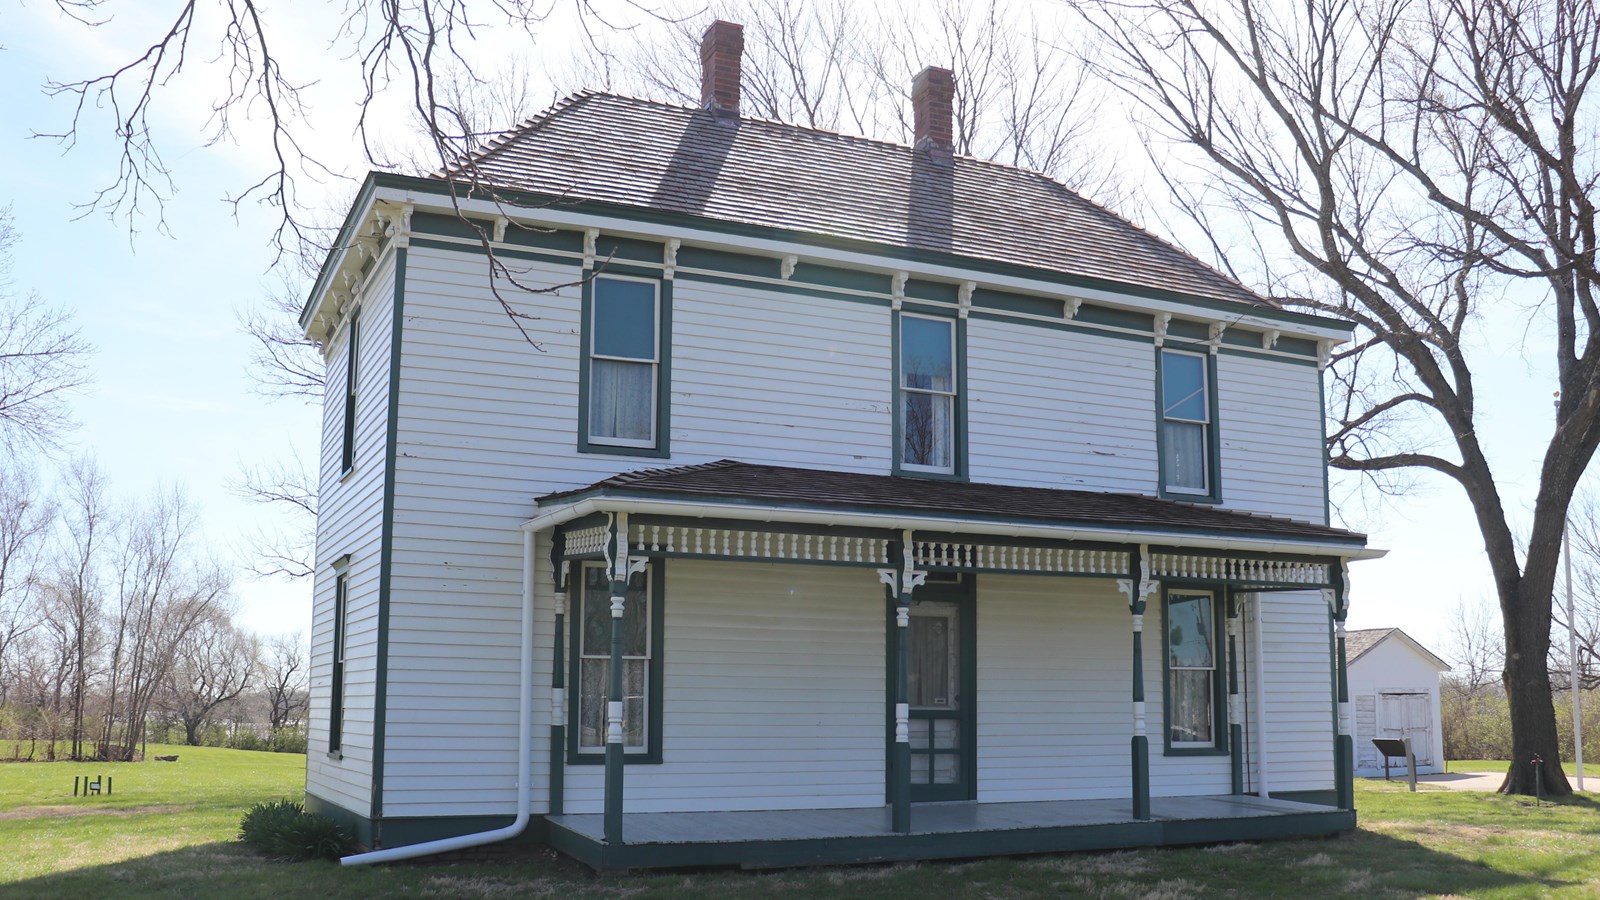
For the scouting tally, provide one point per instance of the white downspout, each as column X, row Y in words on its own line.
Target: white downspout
column 524, row 748
column 1264, row 786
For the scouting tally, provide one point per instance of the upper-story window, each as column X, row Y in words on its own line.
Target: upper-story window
column 1188, row 465
column 624, row 364
column 1195, row 702
column 352, row 372
column 929, row 394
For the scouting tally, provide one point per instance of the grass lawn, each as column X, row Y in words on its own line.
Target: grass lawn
column 1498, row 767
column 168, row 831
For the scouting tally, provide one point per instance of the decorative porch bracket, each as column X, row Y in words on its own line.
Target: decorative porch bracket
column 1235, row 710
column 1138, row 587
column 559, row 569
column 1338, row 598
column 622, row 567
column 902, row 583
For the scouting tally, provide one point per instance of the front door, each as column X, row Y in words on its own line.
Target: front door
column 940, row 683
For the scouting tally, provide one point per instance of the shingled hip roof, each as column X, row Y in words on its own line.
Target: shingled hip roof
column 731, row 484
column 603, row 147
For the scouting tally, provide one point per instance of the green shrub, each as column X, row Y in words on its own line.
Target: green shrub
column 283, row 829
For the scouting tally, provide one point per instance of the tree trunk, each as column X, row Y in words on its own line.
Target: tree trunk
column 191, row 730
column 1533, row 714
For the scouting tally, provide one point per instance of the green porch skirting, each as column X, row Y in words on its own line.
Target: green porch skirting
column 938, row 831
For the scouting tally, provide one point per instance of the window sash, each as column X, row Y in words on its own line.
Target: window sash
column 625, row 419
column 929, row 447
column 1193, row 666
column 1186, row 452
column 352, row 370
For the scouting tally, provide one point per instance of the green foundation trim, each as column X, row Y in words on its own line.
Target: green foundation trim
column 357, row 824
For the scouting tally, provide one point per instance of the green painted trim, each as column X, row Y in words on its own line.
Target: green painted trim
column 1140, row 751
column 1219, row 697
column 336, row 682
column 357, row 824
column 1317, row 798
column 658, row 616
column 797, row 288
column 1213, row 429
column 507, row 252
column 380, row 700
column 770, row 854
column 408, row 830
column 663, row 445
column 352, row 219
column 1235, row 732
column 1072, row 326
column 560, row 581
column 706, row 223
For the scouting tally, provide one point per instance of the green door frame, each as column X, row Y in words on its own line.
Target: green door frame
column 964, row 596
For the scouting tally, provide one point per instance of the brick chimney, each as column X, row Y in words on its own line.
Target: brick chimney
column 933, row 94
column 720, row 51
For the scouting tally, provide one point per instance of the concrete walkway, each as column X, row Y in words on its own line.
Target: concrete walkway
column 1465, row 781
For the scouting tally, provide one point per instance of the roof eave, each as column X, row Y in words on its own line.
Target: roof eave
column 586, row 503
column 651, row 223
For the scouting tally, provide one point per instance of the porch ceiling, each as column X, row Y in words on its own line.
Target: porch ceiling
column 779, row 493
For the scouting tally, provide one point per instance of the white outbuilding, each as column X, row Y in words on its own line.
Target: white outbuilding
column 1394, row 691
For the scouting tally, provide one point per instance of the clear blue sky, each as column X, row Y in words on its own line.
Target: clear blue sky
column 171, row 402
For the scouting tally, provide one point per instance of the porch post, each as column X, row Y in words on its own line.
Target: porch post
column 1343, row 745
column 621, row 568
column 903, row 583
column 1235, row 713
column 558, row 677
column 1138, row 586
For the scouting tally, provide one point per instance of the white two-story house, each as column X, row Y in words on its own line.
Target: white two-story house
column 700, row 489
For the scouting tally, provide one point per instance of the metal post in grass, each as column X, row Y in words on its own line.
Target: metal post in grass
column 1538, row 782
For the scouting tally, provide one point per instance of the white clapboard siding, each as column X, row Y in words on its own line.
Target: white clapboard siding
column 349, row 523
column 1270, row 430
column 1061, row 409
column 1298, row 698
column 774, row 678
column 1055, row 695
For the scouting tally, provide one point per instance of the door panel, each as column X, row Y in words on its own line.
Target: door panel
column 937, row 672
column 1409, row 716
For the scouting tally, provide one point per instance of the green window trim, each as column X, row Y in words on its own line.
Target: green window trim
column 1218, row 745
column 352, row 371
column 1211, row 441
column 341, row 613
column 658, row 446
column 957, row 471
column 655, row 575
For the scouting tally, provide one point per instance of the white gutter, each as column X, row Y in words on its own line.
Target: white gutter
column 689, row 509
column 524, row 749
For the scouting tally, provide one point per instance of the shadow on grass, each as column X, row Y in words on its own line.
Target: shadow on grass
column 1362, row 864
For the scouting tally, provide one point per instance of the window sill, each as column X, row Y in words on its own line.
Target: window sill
column 613, row 450
column 1196, row 751
column 335, row 754
column 345, row 475
column 598, row 758
column 1206, row 499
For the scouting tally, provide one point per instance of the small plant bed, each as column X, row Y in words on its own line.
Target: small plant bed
column 282, row 829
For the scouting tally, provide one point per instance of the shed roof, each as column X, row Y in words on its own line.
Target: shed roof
column 605, row 147
column 1359, row 641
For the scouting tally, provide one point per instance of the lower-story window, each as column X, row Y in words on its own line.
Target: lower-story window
column 641, row 664
column 1194, row 700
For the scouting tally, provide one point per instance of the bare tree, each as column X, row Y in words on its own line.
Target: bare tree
column 26, row 515
column 285, row 672
column 1405, row 166
column 1478, row 648
column 41, row 359
column 214, row 663
column 72, row 597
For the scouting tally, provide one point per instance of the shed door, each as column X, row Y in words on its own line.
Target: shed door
column 1408, row 716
